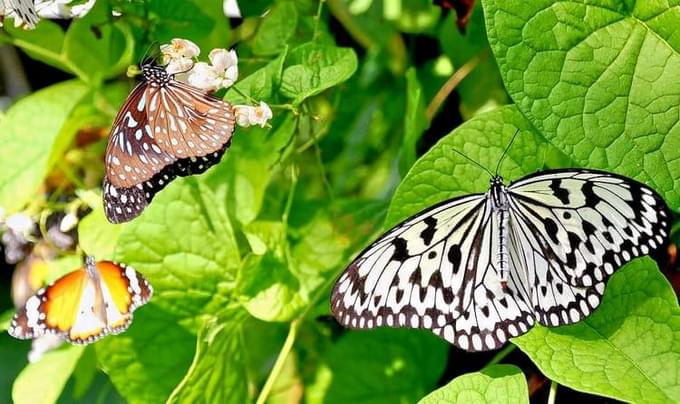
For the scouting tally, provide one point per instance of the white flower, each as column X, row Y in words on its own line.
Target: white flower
column 225, row 64
column 247, row 115
column 68, row 222
column 221, row 73
column 231, row 9
column 178, row 55
column 203, row 76
column 42, row 345
column 20, row 223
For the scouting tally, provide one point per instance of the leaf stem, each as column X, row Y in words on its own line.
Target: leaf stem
column 317, row 18
column 452, row 83
column 280, row 361
column 340, row 12
column 501, row 355
column 553, row 392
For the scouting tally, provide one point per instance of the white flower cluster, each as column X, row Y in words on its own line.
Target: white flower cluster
column 179, row 56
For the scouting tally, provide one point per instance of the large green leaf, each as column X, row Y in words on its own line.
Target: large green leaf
column 27, row 142
column 599, row 79
column 379, row 366
column 494, row 384
column 184, row 244
column 628, row 349
column 147, row 361
column 50, row 373
column 218, row 372
column 442, row 174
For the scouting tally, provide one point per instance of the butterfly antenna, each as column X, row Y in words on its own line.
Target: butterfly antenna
column 473, row 162
column 148, row 55
column 505, row 152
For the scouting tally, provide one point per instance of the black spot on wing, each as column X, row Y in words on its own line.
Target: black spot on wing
column 428, row 233
column 560, row 193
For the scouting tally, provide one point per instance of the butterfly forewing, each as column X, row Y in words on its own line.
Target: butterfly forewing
column 165, row 130
column 187, row 122
column 566, row 232
column 589, row 223
column 132, row 154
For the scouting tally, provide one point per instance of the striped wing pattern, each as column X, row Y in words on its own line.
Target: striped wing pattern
column 568, row 230
column 21, row 10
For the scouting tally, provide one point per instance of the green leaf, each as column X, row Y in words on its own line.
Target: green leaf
column 267, row 288
column 93, row 48
column 442, row 174
column 314, row 68
column 494, row 384
column 14, row 354
column 50, row 373
column 5, row 318
column 628, row 349
column 185, row 246
column 270, row 290
column 249, row 164
column 218, row 371
column 97, row 236
column 599, row 79
column 98, row 48
column 379, row 366
column 415, row 121
column 275, row 29
column 201, row 21
column 44, row 43
column 27, row 142
column 261, row 84
column 147, row 361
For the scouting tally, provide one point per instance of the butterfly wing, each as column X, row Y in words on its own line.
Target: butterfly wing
column 189, row 122
column 23, row 11
column 571, row 229
column 132, row 154
column 123, row 290
column 62, row 309
column 435, row 271
column 161, row 133
column 82, row 307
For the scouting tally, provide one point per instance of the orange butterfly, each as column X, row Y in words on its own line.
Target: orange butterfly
column 84, row 305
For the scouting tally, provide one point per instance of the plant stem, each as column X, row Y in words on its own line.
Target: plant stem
column 452, row 83
column 553, row 392
column 280, row 361
column 501, row 355
column 317, row 18
column 340, row 12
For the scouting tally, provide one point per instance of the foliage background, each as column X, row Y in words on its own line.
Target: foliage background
column 364, row 94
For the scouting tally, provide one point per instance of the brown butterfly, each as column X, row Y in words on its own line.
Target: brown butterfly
column 164, row 130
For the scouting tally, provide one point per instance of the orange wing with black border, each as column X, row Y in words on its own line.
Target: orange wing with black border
column 84, row 305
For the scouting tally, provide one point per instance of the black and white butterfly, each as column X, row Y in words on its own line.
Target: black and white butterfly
column 482, row 268
column 164, row 130
column 23, row 12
